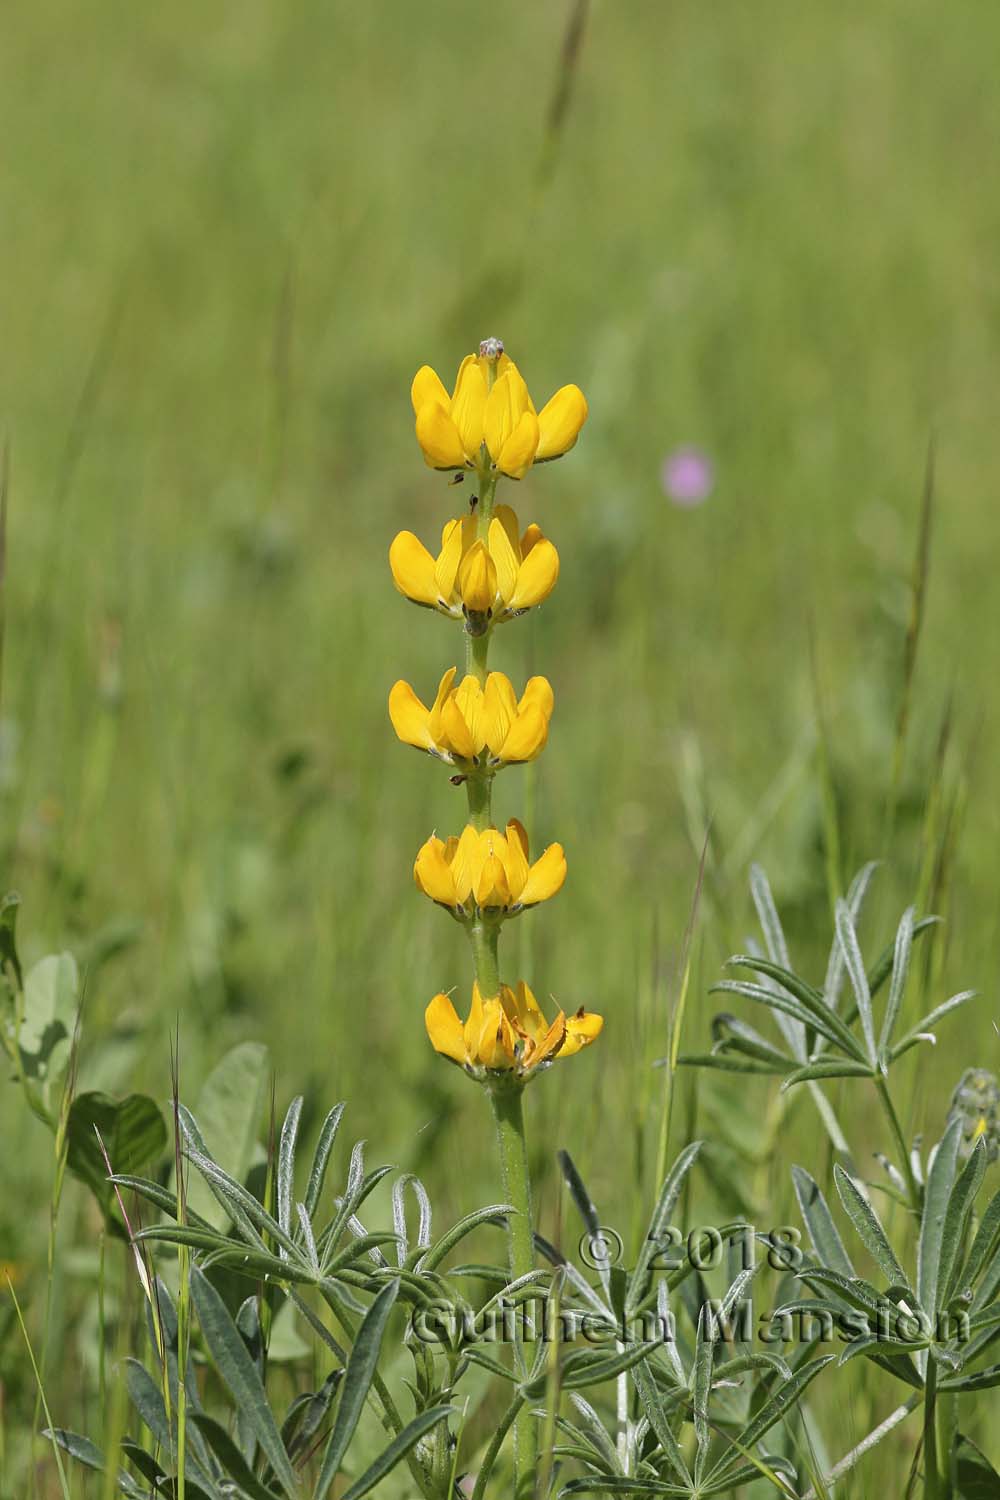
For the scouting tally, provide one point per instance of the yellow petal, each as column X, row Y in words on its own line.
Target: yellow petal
column 549, row 1044
column 527, row 736
column 468, row 405
column 445, row 1029
column 413, row 569
column 545, row 877
column 516, row 859
column 426, row 388
column 456, row 732
column 492, row 889
column 410, row 719
column 499, row 710
column 527, row 1012
column 532, row 534
column 581, row 1030
column 477, row 580
column 508, row 520
column 506, row 404
column 438, row 437
column 518, row 451
column 536, row 577
column 469, row 702
column 559, row 422
column 432, row 873
column 444, row 689
column 493, row 1041
column 505, row 558
column 538, row 694
column 456, row 538
column 467, row 863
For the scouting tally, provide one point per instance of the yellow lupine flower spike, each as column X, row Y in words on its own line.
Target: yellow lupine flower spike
column 507, row 1032
column 488, row 872
column 475, row 724
column 483, row 583
column 498, row 423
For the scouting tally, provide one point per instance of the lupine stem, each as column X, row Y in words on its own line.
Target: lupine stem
column 509, row 1116
column 912, row 1187
column 476, row 652
column 505, row 1094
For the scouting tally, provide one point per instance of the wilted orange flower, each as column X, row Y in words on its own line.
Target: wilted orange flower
column 507, row 1032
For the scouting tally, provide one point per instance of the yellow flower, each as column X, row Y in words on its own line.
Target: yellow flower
column 507, row 1032
column 475, row 724
column 498, row 421
column 483, row 582
column 488, row 872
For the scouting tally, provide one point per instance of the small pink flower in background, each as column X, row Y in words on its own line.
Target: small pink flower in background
column 687, row 476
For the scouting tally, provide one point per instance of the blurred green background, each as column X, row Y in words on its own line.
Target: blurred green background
column 231, row 233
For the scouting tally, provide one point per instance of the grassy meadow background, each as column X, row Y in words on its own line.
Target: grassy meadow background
column 230, row 234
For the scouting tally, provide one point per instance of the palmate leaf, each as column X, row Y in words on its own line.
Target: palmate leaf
column 728, row 1062
column 659, row 1222
column 835, row 968
column 321, row 1158
column 494, row 1213
column 240, row 1374
column 776, row 1001
column 856, row 973
column 937, row 1197
column 307, row 1414
column 826, row 1069
column 87, row 1453
column 900, row 971
column 595, row 1437
column 956, row 1222
column 701, row 1391
column 230, row 1459
column 922, row 1031
column 358, row 1377
column 823, row 1232
column 649, row 1398
column 285, row 1175
column 785, row 1396
column 869, row 1228
column 985, row 1245
column 408, row 1180
column 975, row 1476
column 397, row 1450
column 820, row 1015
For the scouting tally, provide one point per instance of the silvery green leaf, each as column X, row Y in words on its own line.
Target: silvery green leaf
column 867, row 1223
column 396, row 1451
column 317, row 1174
column 823, row 1232
column 286, row 1164
column 855, row 965
column 358, row 1377
column 937, row 1196
column 237, row 1368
